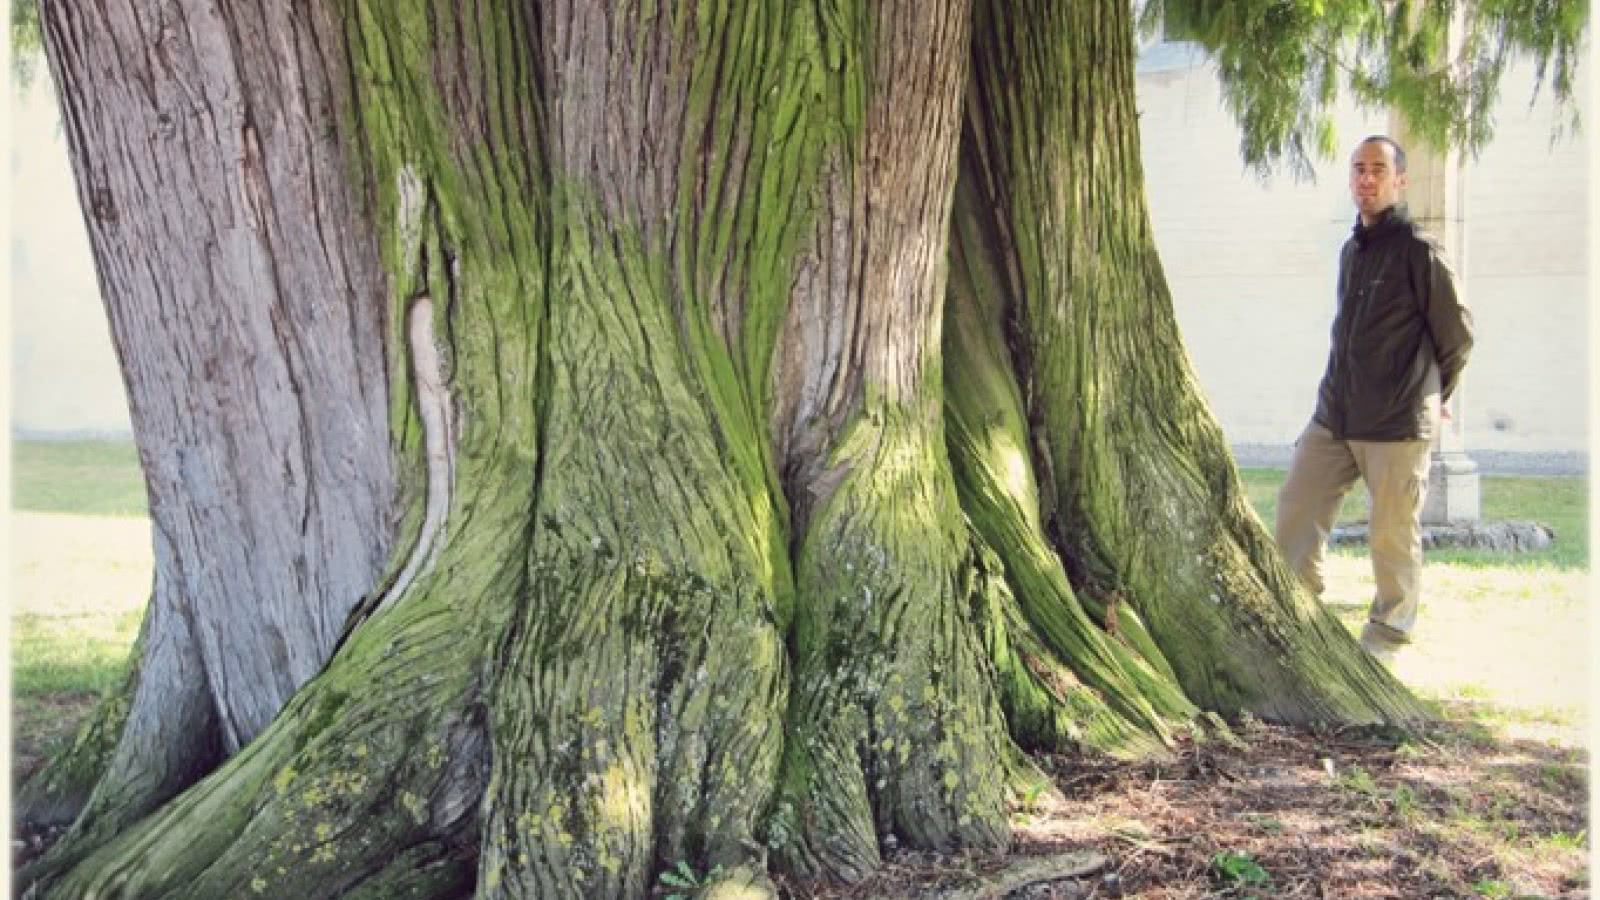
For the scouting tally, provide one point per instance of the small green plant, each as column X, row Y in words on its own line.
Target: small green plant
column 1409, row 749
column 1492, row 890
column 1461, row 819
column 1504, row 803
column 1359, row 781
column 1029, row 804
column 1404, row 801
column 1238, row 870
column 1373, row 842
column 1563, row 841
column 1267, row 824
column 684, row 882
column 1557, row 777
column 1031, row 798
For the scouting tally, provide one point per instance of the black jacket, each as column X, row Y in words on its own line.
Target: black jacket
column 1400, row 338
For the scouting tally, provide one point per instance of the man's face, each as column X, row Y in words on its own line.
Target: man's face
column 1375, row 183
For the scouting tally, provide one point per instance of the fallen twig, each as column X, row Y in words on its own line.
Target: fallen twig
column 1024, row 872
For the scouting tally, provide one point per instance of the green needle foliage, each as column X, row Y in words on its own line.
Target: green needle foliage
column 1283, row 63
column 27, row 41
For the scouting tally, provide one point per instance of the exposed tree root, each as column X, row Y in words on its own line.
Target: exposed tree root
column 429, row 871
column 378, row 755
column 895, row 728
column 740, row 884
column 166, row 738
column 1025, row 871
column 1130, row 694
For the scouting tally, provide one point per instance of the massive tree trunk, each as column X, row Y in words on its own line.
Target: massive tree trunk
column 586, row 437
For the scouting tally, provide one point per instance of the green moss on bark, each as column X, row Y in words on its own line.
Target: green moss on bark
column 993, row 459
column 623, row 543
column 650, row 642
column 895, row 727
column 1140, row 496
column 309, row 808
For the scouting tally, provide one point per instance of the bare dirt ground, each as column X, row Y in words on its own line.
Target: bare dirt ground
column 1451, row 812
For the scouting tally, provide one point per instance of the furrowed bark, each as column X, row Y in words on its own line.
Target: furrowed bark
column 435, row 871
column 1140, row 494
column 612, row 356
column 637, row 697
column 384, row 757
column 894, row 728
column 201, row 149
column 333, row 791
column 1054, row 652
column 1046, row 705
column 638, row 693
column 250, row 112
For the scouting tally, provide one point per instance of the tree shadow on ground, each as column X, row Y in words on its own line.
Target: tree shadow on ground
column 1453, row 810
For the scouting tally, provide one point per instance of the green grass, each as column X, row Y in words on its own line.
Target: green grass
column 86, row 478
column 77, row 591
column 1261, row 487
column 70, row 655
column 1560, row 503
column 60, row 668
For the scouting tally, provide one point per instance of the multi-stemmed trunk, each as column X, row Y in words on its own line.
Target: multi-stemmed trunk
column 586, row 437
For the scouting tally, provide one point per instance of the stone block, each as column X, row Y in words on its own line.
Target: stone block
column 1453, row 494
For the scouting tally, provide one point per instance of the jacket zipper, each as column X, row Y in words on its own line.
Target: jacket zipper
column 1355, row 278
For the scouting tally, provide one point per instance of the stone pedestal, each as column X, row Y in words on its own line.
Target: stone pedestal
column 1453, row 497
column 1452, row 490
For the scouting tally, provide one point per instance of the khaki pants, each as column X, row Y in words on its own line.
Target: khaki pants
column 1396, row 472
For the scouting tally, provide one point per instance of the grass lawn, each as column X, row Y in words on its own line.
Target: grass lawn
column 78, row 589
column 1560, row 503
column 1502, row 637
column 86, row 478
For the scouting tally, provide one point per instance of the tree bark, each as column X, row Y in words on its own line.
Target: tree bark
column 240, row 284
column 1139, row 492
column 587, row 438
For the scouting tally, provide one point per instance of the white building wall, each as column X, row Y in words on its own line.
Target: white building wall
column 1527, row 272
column 1252, row 264
column 1251, row 267
column 64, row 374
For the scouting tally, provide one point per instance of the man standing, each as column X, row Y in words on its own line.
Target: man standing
column 1400, row 340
